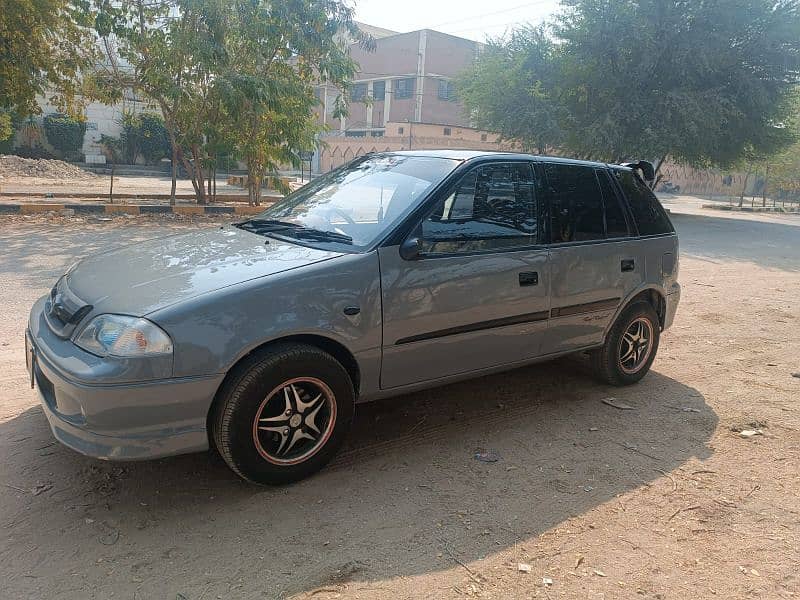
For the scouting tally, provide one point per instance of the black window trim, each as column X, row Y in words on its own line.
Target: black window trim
column 632, row 225
column 452, row 185
column 633, row 231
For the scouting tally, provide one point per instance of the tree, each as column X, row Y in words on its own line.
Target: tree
column 44, row 45
column 229, row 74
column 278, row 51
column 523, row 66
column 702, row 81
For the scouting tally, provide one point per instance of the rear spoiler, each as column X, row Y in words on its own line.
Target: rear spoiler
column 646, row 168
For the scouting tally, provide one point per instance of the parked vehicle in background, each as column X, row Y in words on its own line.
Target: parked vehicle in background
column 668, row 187
column 396, row 272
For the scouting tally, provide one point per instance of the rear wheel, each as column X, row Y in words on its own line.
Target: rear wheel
column 283, row 413
column 630, row 347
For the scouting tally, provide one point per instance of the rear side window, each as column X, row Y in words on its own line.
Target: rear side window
column 647, row 211
column 576, row 203
column 616, row 224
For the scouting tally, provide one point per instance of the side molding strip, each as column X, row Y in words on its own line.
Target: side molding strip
column 577, row 309
column 481, row 325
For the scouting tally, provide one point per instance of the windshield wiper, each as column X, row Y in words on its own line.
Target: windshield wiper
column 265, row 225
column 309, row 233
column 262, row 226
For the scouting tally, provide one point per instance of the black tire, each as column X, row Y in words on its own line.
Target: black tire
column 260, row 383
column 607, row 361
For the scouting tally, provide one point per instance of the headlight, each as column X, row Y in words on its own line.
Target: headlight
column 124, row 336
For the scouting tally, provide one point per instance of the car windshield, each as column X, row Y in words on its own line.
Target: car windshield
column 356, row 204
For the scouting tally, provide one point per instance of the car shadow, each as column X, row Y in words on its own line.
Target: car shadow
column 405, row 496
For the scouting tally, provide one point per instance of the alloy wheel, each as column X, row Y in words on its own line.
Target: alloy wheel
column 636, row 345
column 294, row 421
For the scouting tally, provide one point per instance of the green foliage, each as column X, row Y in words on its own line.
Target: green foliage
column 113, row 148
column 703, row 82
column 231, row 78
column 143, row 134
column 44, row 46
column 65, row 134
column 511, row 90
column 153, row 138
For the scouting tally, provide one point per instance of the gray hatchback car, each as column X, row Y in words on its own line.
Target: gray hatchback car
column 395, row 272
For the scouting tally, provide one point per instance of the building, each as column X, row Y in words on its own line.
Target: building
column 407, row 78
column 404, row 94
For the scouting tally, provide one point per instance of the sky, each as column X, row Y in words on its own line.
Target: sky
column 473, row 19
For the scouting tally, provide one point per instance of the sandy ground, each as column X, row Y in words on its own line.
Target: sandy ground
column 124, row 184
column 663, row 501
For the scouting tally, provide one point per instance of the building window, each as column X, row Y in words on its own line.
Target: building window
column 358, row 92
column 483, row 137
column 448, row 131
column 400, row 130
column 355, row 134
column 379, row 90
column 404, row 88
column 447, row 90
column 376, row 133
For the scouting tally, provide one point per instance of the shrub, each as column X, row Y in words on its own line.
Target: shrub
column 153, row 138
column 65, row 134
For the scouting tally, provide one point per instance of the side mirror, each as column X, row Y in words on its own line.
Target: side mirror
column 411, row 248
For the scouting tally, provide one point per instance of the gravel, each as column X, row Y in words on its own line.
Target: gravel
column 15, row 166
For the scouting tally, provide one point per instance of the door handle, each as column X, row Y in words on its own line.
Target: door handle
column 627, row 265
column 529, row 278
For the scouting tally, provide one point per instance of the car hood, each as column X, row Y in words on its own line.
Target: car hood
column 147, row 276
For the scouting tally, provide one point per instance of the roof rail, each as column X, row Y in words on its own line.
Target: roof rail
column 646, row 167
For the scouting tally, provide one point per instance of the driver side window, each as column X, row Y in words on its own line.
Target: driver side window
column 491, row 208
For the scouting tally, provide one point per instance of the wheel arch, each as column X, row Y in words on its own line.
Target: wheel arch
column 336, row 349
column 652, row 295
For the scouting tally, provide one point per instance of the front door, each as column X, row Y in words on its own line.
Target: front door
column 477, row 296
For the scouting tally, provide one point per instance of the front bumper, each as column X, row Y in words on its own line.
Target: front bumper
column 116, row 421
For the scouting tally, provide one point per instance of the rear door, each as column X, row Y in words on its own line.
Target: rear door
column 593, row 263
column 478, row 294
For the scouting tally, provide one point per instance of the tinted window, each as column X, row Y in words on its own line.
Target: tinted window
column 576, row 203
column 491, row 208
column 616, row 225
column 647, row 210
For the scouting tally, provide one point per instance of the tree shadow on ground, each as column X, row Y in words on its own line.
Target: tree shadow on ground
column 717, row 239
column 405, row 491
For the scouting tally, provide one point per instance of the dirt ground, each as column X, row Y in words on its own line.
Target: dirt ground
column 124, row 184
column 666, row 500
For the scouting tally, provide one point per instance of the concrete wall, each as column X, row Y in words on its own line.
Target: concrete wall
column 337, row 150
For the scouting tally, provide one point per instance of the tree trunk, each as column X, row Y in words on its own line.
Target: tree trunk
column 744, row 188
column 174, row 172
column 657, row 171
column 111, row 186
column 764, row 189
column 195, row 169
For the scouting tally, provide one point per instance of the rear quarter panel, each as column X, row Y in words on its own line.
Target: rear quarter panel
column 659, row 255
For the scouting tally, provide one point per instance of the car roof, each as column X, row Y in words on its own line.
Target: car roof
column 465, row 155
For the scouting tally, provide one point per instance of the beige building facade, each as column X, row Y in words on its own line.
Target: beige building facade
column 337, row 150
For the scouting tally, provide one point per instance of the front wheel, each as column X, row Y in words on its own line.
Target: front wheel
column 630, row 346
column 283, row 413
